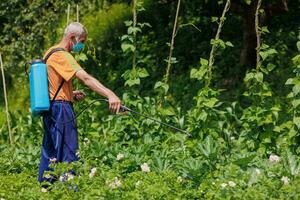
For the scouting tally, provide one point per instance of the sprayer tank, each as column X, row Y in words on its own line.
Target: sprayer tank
column 38, row 79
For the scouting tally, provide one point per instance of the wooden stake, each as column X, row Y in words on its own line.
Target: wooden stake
column 172, row 43
column 213, row 48
column 134, row 16
column 6, row 102
column 258, row 34
column 77, row 13
column 68, row 14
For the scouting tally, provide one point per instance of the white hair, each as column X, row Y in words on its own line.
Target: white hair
column 75, row 27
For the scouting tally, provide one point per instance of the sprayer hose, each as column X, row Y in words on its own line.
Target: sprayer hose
column 122, row 109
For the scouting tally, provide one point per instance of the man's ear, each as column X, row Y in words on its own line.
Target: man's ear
column 71, row 36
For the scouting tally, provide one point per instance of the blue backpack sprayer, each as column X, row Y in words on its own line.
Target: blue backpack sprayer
column 39, row 96
column 38, row 81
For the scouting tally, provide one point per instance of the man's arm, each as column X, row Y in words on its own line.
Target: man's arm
column 96, row 86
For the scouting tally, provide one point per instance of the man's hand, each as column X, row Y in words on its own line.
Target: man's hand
column 78, row 95
column 95, row 85
column 114, row 103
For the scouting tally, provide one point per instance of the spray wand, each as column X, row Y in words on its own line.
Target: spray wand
column 126, row 109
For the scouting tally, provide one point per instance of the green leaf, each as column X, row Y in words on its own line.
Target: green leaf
column 199, row 74
column 218, row 43
column 125, row 47
column 264, row 29
column 169, row 111
column 248, row 1
column 270, row 67
column 203, row 62
column 267, row 93
column 296, row 103
column 83, row 57
column 160, row 84
column 144, row 24
column 208, row 147
column 249, row 76
column 296, row 121
column 211, row 102
column 296, row 89
column 292, row 164
column 229, row 44
column 296, row 60
column 132, row 82
column 194, row 73
column 254, row 177
column 259, row 76
column 298, row 46
column 134, row 30
column 142, row 73
column 267, row 53
column 290, row 81
column 245, row 160
column 95, row 125
column 124, row 37
column 277, row 129
column 128, row 23
column 203, row 116
column 290, row 95
column 172, row 60
column 214, row 19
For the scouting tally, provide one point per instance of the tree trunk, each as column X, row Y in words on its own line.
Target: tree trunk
column 248, row 53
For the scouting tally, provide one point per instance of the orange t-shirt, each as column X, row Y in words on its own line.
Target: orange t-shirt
column 61, row 65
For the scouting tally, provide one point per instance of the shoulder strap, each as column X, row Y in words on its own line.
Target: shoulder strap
column 51, row 52
column 60, row 86
column 45, row 60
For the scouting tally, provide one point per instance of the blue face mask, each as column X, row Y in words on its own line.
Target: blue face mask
column 78, row 47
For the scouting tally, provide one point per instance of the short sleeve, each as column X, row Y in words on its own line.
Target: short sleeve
column 64, row 64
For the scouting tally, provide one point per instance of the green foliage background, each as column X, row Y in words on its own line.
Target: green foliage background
column 236, row 123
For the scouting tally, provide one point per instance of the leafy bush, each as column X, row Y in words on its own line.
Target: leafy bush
column 240, row 147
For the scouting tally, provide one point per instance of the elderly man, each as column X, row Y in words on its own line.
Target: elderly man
column 60, row 143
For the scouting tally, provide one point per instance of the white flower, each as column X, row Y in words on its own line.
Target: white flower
column 61, row 178
column 232, row 138
column 138, row 183
column 120, row 156
column 42, row 190
column 274, row 158
column 93, row 172
column 116, row 183
column 257, row 171
column 223, row 185
column 69, row 176
column 231, row 183
column 78, row 154
column 52, row 160
column 86, row 141
column 285, row 180
column 145, row 167
column 179, row 179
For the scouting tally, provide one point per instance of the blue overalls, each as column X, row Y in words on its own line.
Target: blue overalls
column 60, row 141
